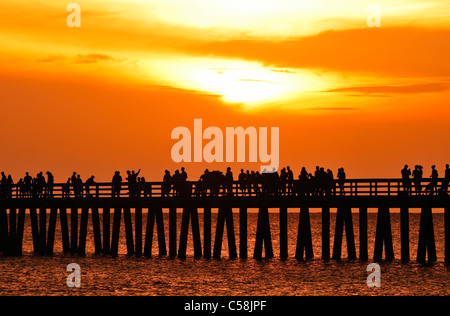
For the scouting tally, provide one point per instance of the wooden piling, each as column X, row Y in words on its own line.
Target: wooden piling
column 138, row 231
column 447, row 235
column 20, row 229
column 172, row 232
column 42, row 230
column 283, row 232
column 12, row 243
column 35, row 230
column 97, row 231
column 106, row 221
column 116, row 231
column 128, row 230
column 304, row 240
column 225, row 217
column 3, row 229
column 73, row 229
column 64, row 229
column 207, row 232
column 383, row 235
column 243, row 253
column 263, row 235
column 404, row 234
column 326, row 233
column 344, row 218
column 155, row 214
column 190, row 213
column 51, row 231
column 363, row 247
column 83, row 230
column 426, row 243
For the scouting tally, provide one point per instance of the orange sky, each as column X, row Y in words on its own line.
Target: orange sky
column 106, row 96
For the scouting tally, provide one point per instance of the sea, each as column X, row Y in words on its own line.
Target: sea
column 103, row 275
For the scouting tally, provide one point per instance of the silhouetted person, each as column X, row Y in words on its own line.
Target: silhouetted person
column 434, row 177
column 241, row 179
column 40, row 184
column 341, row 180
column 20, row 190
column 9, row 186
column 116, row 184
column 290, row 180
column 167, row 184
column 417, row 175
column 66, row 189
column 50, row 183
column 229, row 181
column 89, row 182
column 406, row 181
column 27, row 182
column 446, row 179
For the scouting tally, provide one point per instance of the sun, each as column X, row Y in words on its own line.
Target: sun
column 237, row 85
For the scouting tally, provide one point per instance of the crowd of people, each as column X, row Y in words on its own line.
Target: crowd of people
column 216, row 183
column 267, row 183
column 416, row 177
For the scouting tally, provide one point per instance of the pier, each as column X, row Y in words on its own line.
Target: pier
column 110, row 208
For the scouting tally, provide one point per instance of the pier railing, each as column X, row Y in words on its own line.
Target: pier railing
column 350, row 187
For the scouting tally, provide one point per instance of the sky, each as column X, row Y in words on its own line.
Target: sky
column 106, row 96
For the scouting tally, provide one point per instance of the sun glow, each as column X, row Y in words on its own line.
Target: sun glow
column 248, row 83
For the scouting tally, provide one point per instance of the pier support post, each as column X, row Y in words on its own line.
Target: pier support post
column 116, row 231
column 128, row 230
column 404, row 234
column 263, row 235
column 283, row 232
column 12, row 242
column 34, row 230
column 383, row 235
column 73, row 229
column 447, row 234
column 326, row 233
column 64, row 229
column 51, row 231
column 363, row 251
column 42, row 230
column 225, row 217
column 304, row 240
column 4, row 230
column 344, row 218
column 97, row 232
column 207, row 232
column 83, row 230
column 192, row 213
column 243, row 254
column 155, row 214
column 138, row 231
column 106, row 218
column 426, row 237
column 172, row 232
column 20, row 229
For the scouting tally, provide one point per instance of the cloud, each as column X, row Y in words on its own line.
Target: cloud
column 394, row 89
column 396, row 52
column 80, row 59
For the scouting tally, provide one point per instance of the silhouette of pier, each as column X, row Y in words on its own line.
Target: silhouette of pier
column 115, row 203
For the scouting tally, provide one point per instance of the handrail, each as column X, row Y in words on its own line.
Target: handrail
column 349, row 187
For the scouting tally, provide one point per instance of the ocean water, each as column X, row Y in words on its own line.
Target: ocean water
column 31, row 274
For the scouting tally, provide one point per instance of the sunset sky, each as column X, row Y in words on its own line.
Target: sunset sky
column 106, row 96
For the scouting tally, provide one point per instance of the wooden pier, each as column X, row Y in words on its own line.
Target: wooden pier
column 108, row 212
